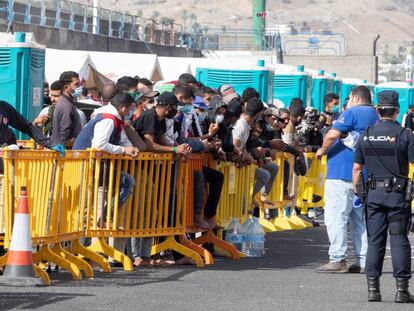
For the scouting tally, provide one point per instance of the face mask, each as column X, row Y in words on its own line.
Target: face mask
column 335, row 109
column 77, row 92
column 202, row 116
column 219, row 118
column 129, row 115
column 269, row 127
column 186, row 109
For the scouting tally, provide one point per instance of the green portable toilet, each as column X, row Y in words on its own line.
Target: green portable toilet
column 405, row 91
column 290, row 82
column 322, row 84
column 22, row 68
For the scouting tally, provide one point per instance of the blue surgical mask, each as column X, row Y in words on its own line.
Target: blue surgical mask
column 335, row 109
column 77, row 92
column 186, row 109
column 219, row 118
column 129, row 115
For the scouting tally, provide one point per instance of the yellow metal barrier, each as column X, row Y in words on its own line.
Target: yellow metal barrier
column 236, row 196
column 27, row 144
column 312, row 185
column 56, row 201
column 287, row 218
column 156, row 207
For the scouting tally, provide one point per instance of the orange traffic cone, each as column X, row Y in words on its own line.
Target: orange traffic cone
column 19, row 269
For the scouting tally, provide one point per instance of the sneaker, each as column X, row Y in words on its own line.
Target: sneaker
column 333, row 267
column 355, row 268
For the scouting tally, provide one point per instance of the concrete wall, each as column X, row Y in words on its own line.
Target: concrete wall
column 358, row 67
column 75, row 40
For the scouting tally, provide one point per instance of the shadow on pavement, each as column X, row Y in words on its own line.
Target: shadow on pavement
column 25, row 300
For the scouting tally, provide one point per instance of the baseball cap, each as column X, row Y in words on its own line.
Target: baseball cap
column 199, row 103
column 272, row 111
column 167, row 98
column 388, row 99
column 227, row 92
column 216, row 101
column 168, row 87
column 149, row 94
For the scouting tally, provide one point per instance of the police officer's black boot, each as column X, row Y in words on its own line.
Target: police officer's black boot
column 403, row 295
column 373, row 289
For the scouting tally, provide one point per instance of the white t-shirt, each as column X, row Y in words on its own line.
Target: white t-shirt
column 241, row 131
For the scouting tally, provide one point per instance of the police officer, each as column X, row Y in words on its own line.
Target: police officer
column 386, row 149
column 10, row 117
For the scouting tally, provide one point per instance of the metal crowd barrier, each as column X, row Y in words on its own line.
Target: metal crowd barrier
column 78, row 197
column 156, row 208
column 312, row 186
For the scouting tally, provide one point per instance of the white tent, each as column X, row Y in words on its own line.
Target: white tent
column 172, row 67
column 115, row 65
column 58, row 61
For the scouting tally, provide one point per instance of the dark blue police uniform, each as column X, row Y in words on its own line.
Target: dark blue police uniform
column 386, row 150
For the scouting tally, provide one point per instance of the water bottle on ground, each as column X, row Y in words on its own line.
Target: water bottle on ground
column 246, row 226
column 235, row 235
column 255, row 240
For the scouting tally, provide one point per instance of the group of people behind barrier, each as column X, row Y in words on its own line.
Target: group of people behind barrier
column 148, row 164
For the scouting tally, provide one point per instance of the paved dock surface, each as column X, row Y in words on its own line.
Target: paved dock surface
column 284, row 279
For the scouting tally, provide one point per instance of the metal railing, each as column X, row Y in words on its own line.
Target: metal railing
column 74, row 16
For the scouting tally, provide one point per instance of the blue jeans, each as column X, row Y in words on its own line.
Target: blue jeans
column 339, row 211
column 126, row 188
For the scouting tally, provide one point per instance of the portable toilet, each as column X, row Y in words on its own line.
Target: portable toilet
column 22, row 68
column 349, row 84
column 322, row 84
column 405, row 91
column 290, row 82
column 337, row 85
column 240, row 77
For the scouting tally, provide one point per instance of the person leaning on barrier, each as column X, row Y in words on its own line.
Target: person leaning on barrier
column 105, row 132
column 386, row 150
column 66, row 123
column 339, row 195
column 297, row 111
column 151, row 125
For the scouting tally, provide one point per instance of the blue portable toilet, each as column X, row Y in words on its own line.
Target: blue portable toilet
column 405, row 91
column 322, row 84
column 349, row 84
column 240, row 76
column 290, row 82
column 22, row 70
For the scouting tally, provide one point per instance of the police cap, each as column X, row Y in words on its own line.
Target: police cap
column 388, row 99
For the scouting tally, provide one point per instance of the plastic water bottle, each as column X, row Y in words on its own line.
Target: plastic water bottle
column 235, row 235
column 255, row 240
column 246, row 227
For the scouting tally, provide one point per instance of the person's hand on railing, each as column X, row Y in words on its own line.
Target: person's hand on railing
column 131, row 151
column 261, row 152
column 184, row 150
column 59, row 148
column 278, row 144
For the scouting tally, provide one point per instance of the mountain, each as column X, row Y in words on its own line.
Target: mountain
column 392, row 19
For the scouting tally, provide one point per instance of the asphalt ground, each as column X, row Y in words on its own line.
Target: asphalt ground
column 284, row 279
